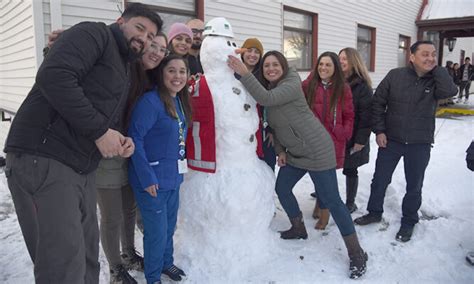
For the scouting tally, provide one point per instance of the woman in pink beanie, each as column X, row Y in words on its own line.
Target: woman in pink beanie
column 180, row 39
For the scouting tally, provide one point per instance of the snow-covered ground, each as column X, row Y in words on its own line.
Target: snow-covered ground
column 436, row 253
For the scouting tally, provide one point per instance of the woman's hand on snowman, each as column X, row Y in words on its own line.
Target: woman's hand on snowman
column 152, row 190
column 238, row 66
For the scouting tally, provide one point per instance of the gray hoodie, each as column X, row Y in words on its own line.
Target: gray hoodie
column 296, row 130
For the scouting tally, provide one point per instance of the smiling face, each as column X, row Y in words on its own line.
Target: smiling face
column 181, row 44
column 424, row 58
column 197, row 27
column 251, row 57
column 345, row 65
column 155, row 53
column 175, row 75
column 325, row 68
column 272, row 69
column 139, row 32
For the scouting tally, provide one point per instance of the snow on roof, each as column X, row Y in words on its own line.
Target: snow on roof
column 442, row 9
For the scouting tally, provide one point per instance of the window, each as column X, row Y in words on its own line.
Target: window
column 299, row 38
column 366, row 45
column 175, row 12
column 403, row 50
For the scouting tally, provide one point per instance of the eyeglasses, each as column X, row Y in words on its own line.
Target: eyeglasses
column 197, row 31
column 159, row 50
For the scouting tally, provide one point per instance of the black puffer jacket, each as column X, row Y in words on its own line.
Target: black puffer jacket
column 80, row 92
column 404, row 104
column 362, row 100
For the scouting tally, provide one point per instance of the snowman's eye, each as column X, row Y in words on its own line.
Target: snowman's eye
column 234, row 45
column 228, row 43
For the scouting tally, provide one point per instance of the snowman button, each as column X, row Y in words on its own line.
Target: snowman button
column 246, row 107
column 236, row 90
column 251, row 138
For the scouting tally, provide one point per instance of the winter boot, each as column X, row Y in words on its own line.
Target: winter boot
column 404, row 234
column 119, row 275
column 297, row 230
column 357, row 256
column 174, row 273
column 133, row 261
column 368, row 219
column 351, row 192
column 316, row 210
column 323, row 219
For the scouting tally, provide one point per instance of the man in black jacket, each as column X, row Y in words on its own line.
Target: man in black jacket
column 403, row 118
column 466, row 74
column 67, row 123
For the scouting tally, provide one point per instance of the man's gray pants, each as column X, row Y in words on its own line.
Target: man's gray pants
column 56, row 209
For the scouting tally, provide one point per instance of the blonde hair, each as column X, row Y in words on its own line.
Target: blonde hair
column 356, row 64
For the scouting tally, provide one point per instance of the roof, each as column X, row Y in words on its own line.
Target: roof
column 444, row 9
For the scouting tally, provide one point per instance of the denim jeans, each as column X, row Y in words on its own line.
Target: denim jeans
column 415, row 159
column 326, row 185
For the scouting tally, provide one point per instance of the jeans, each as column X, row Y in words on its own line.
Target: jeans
column 326, row 186
column 415, row 159
column 464, row 87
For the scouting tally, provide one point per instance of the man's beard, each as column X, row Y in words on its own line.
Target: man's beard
column 196, row 46
column 136, row 54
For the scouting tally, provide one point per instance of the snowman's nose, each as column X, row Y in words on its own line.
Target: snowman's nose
column 240, row 50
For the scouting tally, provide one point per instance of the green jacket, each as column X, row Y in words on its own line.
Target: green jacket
column 296, row 130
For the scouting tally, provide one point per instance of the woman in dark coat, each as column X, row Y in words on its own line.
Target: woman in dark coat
column 357, row 148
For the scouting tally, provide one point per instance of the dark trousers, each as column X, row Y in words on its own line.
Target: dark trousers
column 326, row 186
column 56, row 209
column 159, row 215
column 415, row 159
column 269, row 155
column 117, row 223
column 464, row 86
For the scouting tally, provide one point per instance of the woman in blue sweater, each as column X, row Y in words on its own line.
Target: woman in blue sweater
column 158, row 129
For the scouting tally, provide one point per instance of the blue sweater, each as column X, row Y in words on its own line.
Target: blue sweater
column 156, row 137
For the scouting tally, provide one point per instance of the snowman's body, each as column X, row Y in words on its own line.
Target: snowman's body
column 225, row 216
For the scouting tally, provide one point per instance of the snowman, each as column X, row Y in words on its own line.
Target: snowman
column 226, row 201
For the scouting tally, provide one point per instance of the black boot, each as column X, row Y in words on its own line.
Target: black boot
column 119, row 275
column 352, row 182
column 297, row 230
column 368, row 219
column 357, row 256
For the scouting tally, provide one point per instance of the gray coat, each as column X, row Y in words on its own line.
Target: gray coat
column 296, row 130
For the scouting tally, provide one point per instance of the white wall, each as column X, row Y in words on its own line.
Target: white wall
column 466, row 44
column 17, row 56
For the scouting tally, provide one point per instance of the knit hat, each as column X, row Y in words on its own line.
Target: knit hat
column 177, row 29
column 255, row 43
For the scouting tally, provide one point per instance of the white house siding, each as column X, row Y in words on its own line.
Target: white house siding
column 338, row 20
column 261, row 19
column 17, row 56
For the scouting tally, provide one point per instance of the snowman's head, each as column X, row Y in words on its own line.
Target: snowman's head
column 217, row 45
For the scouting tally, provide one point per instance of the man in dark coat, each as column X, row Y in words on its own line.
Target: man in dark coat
column 466, row 74
column 403, row 118
column 66, row 124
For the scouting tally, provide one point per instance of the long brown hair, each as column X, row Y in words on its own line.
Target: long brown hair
column 284, row 66
column 356, row 65
column 165, row 97
column 337, row 80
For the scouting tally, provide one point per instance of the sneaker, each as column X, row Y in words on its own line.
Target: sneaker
column 404, row 234
column 132, row 260
column 368, row 219
column 119, row 275
column 174, row 273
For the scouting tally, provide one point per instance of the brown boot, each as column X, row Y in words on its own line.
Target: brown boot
column 323, row 219
column 316, row 210
column 297, row 230
column 358, row 257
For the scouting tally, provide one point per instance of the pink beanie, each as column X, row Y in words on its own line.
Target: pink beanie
column 177, row 29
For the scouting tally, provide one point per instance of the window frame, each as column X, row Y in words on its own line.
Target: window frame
column 373, row 34
column 313, row 33
column 407, row 40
